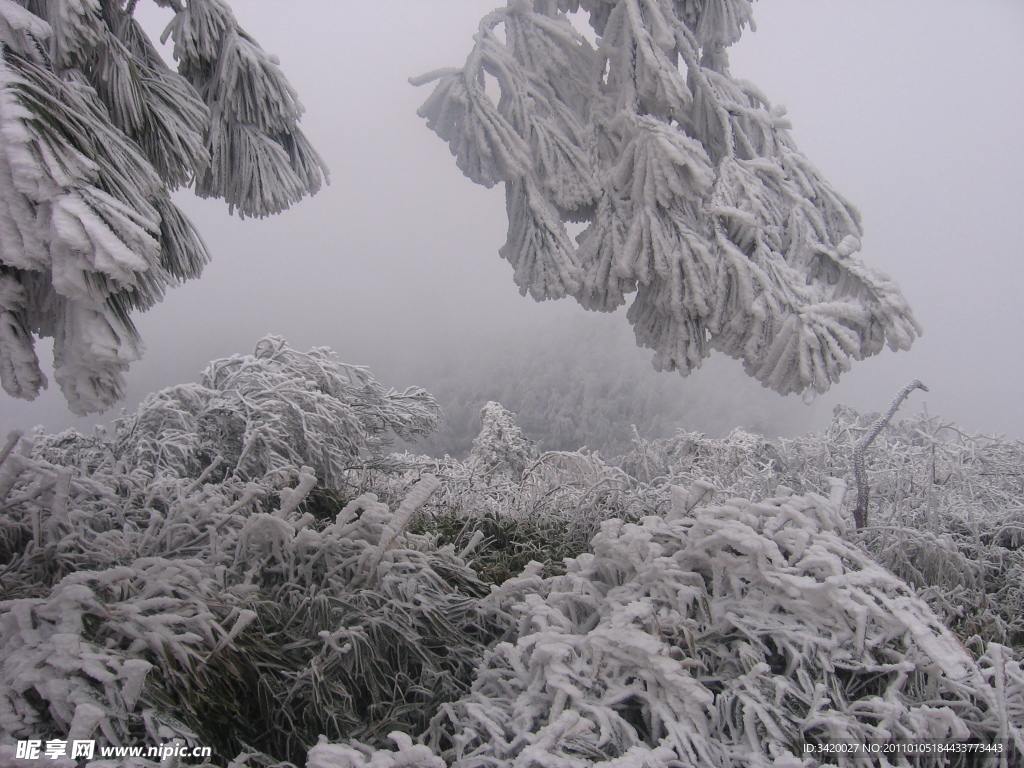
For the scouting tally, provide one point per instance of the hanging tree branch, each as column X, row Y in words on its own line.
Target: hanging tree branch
column 693, row 194
column 97, row 132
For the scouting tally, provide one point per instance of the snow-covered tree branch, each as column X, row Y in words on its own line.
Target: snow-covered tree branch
column 692, row 191
column 95, row 132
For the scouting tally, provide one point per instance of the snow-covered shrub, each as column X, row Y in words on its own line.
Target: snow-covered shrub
column 267, row 412
column 501, row 449
column 509, row 504
column 77, row 662
column 722, row 635
column 360, row 628
column 722, row 625
column 221, row 619
column 946, row 512
column 181, row 560
column 726, row 636
column 408, row 755
column 740, row 463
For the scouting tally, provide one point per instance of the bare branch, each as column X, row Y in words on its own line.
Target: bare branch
column 860, row 513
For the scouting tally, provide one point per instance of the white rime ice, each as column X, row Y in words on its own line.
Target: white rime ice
column 95, row 131
column 98, row 646
column 501, row 451
column 692, row 191
column 238, row 566
column 408, row 755
column 722, row 635
column 274, row 411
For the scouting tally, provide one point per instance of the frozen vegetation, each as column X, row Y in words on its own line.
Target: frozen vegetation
column 243, row 563
column 97, row 131
column 621, row 118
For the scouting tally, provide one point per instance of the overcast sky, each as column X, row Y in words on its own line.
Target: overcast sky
column 912, row 109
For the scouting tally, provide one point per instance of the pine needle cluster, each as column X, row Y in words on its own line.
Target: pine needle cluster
column 97, row 131
column 622, row 116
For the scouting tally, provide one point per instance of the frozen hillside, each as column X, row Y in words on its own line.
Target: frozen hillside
column 242, row 563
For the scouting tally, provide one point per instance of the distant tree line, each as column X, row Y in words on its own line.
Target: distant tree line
column 584, row 383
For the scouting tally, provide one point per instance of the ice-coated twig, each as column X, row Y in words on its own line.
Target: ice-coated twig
column 860, row 512
column 413, row 501
column 12, row 440
column 474, row 542
column 292, row 497
column 61, row 489
column 210, row 469
column 684, row 500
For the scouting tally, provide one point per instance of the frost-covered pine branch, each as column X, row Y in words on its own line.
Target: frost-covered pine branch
column 260, row 162
column 95, row 132
column 693, row 194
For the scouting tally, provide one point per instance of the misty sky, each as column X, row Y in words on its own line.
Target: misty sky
column 912, row 109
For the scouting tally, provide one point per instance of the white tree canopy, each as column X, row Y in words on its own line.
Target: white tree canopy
column 692, row 191
column 95, row 131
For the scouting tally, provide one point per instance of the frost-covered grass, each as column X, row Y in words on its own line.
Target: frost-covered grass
column 717, row 635
column 696, row 602
column 149, row 596
column 946, row 511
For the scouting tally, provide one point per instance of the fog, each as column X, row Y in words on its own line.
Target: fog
column 912, row 110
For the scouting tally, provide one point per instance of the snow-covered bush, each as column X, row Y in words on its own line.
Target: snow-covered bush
column 145, row 596
column 508, row 503
column 722, row 635
column 275, row 409
column 219, row 619
column 171, row 579
column 77, row 661
column 946, row 512
column 500, row 448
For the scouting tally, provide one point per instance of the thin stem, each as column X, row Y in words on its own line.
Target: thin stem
column 860, row 513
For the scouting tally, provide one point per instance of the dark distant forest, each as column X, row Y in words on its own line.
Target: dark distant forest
column 584, row 383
